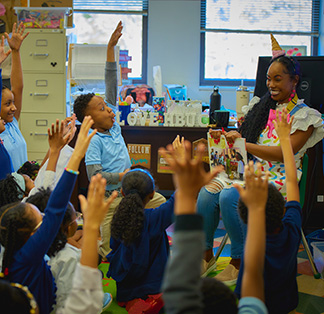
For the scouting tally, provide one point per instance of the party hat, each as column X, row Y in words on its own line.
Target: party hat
column 276, row 49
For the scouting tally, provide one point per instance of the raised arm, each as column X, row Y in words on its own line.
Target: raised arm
column 16, row 78
column 254, row 197
column 3, row 54
column 283, row 130
column 113, row 42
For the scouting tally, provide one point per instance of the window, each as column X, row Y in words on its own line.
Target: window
column 94, row 21
column 234, row 33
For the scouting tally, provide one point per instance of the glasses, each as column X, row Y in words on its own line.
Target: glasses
column 79, row 216
column 39, row 224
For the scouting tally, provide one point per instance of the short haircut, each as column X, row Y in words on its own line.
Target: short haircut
column 274, row 210
column 81, row 104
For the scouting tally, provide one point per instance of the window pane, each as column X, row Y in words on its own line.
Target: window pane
column 97, row 28
column 288, row 15
column 235, row 56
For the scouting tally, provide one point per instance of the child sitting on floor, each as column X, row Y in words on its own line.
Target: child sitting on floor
column 283, row 221
column 27, row 235
column 139, row 244
column 182, row 291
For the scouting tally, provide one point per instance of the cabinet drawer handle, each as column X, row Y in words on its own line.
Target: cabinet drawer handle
column 41, row 54
column 41, row 94
column 42, row 134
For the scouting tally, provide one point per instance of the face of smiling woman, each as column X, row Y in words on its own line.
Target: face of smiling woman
column 8, row 107
column 279, row 82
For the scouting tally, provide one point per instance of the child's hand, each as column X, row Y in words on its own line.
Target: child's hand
column 84, row 137
column 255, row 193
column 3, row 54
column 17, row 36
column 56, row 139
column 178, row 146
column 95, row 207
column 281, row 124
column 115, row 35
column 69, row 127
column 231, row 136
column 190, row 175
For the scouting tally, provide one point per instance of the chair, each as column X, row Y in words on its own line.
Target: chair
column 302, row 192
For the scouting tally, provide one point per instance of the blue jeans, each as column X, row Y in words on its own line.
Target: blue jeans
column 209, row 206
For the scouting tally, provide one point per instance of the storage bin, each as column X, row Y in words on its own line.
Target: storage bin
column 177, row 92
column 48, row 17
column 318, row 249
column 315, row 236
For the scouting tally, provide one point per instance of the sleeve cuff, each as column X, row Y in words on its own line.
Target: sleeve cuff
column 188, row 222
column 87, row 278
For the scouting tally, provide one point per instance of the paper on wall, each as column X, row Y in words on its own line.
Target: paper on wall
column 157, row 80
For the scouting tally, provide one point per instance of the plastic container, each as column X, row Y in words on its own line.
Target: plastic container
column 315, row 236
column 242, row 99
column 47, row 17
column 318, row 248
column 177, row 92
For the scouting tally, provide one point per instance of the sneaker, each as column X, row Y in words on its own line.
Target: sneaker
column 207, row 267
column 228, row 276
column 106, row 301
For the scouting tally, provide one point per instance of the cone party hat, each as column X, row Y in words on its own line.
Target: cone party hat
column 276, row 49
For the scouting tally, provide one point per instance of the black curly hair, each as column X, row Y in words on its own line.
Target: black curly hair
column 10, row 191
column 218, row 296
column 275, row 209
column 127, row 222
column 30, row 168
column 81, row 104
column 14, row 299
column 256, row 119
column 40, row 200
column 16, row 226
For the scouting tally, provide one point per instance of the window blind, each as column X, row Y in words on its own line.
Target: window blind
column 296, row 17
column 122, row 6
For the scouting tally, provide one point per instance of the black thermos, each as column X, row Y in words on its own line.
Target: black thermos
column 215, row 104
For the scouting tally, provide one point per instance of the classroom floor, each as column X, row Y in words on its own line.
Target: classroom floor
column 311, row 290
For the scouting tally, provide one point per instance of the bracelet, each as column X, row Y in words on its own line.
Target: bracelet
column 71, row 171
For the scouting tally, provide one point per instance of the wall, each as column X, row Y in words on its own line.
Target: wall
column 174, row 44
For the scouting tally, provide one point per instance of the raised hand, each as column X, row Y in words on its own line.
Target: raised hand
column 189, row 175
column 3, row 54
column 69, row 127
column 115, row 35
column 255, row 193
column 95, row 207
column 17, row 36
column 281, row 124
column 178, row 146
column 56, row 139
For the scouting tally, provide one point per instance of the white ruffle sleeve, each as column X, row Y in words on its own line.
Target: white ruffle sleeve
column 303, row 119
column 253, row 101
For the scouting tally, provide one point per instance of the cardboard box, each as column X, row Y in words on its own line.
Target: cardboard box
column 54, row 3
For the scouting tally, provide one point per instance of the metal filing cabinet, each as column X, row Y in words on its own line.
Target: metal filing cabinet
column 43, row 57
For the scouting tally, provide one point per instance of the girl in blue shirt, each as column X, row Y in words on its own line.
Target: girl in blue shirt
column 27, row 235
column 139, row 243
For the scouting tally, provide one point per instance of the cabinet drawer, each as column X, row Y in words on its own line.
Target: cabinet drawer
column 34, row 127
column 44, row 52
column 44, row 93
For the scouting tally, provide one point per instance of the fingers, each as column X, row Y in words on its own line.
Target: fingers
column 111, row 199
column 83, row 203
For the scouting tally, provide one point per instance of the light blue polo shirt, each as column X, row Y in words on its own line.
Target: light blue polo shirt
column 110, row 151
column 15, row 144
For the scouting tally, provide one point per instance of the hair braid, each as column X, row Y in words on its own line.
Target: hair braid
column 10, row 191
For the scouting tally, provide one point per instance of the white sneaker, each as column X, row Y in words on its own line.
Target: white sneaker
column 208, row 267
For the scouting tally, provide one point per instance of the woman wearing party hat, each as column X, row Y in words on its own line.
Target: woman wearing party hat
column 262, row 143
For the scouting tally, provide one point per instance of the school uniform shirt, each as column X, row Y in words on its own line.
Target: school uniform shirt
column 15, row 144
column 63, row 266
column 29, row 267
column 280, row 268
column 138, row 268
column 5, row 162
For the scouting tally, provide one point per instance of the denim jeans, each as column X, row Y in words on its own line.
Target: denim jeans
column 209, row 206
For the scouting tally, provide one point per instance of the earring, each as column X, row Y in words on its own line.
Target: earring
column 292, row 95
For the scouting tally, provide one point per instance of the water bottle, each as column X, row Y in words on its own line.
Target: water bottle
column 215, row 104
column 242, row 99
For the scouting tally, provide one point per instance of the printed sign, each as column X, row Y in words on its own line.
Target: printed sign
column 162, row 165
column 140, row 154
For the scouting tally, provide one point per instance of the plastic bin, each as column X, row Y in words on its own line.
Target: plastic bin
column 177, row 92
column 318, row 249
column 315, row 236
column 49, row 17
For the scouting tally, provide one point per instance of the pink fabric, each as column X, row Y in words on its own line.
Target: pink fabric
column 2, row 9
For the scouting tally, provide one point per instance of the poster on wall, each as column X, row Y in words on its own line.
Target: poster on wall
column 162, row 165
column 140, row 155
